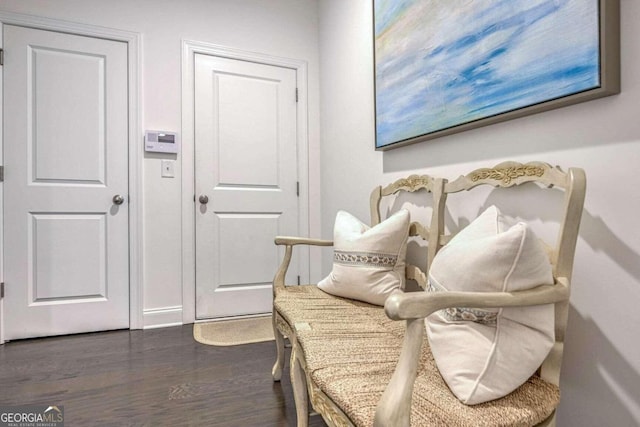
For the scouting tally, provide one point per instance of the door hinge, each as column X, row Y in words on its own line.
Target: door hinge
column 298, row 281
column 296, row 94
column 2, row 290
column 298, row 188
column 1, row 56
column 1, row 173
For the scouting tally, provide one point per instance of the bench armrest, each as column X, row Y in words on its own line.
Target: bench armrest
column 415, row 305
column 289, row 243
column 286, row 240
column 394, row 407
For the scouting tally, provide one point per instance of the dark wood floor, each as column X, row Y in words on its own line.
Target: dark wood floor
column 154, row 378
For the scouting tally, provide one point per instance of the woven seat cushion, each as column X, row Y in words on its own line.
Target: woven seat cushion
column 351, row 350
column 309, row 304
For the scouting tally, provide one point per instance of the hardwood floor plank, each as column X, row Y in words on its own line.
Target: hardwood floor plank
column 155, row 377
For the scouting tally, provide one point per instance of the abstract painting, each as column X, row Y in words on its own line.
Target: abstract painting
column 443, row 66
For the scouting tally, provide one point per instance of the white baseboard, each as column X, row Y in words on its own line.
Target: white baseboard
column 162, row 317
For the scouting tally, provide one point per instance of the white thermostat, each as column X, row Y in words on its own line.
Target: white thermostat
column 159, row 141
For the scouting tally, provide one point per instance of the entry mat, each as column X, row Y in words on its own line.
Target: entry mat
column 234, row 332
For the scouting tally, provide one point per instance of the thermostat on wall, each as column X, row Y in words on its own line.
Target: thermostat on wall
column 159, row 141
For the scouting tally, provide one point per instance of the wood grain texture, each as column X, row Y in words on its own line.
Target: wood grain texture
column 153, row 377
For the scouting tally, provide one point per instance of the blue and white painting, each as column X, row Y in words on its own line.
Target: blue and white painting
column 442, row 63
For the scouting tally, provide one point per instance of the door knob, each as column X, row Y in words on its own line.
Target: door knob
column 118, row 199
column 203, row 199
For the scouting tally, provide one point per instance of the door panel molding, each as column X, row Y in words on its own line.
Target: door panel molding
column 134, row 60
column 189, row 49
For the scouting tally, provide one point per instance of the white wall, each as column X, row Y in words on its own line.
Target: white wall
column 285, row 28
column 601, row 374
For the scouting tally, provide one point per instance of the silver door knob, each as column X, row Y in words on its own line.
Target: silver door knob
column 118, row 199
column 203, row 199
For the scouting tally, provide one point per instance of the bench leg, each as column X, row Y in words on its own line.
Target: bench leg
column 299, row 385
column 276, row 372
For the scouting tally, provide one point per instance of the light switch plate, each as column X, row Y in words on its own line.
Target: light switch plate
column 168, row 168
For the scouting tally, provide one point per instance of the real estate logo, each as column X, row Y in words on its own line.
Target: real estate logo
column 32, row 416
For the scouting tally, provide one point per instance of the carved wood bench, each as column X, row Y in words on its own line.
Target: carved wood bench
column 357, row 364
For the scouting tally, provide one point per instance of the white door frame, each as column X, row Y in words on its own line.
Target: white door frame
column 134, row 46
column 189, row 49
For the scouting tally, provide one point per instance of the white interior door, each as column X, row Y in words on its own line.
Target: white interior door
column 246, row 166
column 66, row 143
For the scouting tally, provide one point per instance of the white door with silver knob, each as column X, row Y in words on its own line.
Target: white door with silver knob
column 66, row 260
column 246, row 176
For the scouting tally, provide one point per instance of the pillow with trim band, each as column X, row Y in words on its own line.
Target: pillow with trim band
column 368, row 262
column 484, row 354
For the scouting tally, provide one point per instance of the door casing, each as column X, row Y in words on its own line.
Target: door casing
column 189, row 49
column 134, row 60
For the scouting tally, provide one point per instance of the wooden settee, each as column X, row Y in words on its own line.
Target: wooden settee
column 358, row 364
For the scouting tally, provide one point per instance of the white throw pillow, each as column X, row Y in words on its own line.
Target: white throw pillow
column 368, row 263
column 486, row 354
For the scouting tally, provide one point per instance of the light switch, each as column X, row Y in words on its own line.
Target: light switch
column 168, row 168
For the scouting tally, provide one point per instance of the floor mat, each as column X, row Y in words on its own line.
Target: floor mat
column 234, row 332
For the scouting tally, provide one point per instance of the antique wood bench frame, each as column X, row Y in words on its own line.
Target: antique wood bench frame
column 304, row 388
column 394, row 406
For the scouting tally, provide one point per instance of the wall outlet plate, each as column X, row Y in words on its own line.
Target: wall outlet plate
column 168, row 168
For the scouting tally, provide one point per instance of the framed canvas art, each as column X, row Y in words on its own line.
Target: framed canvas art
column 445, row 66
